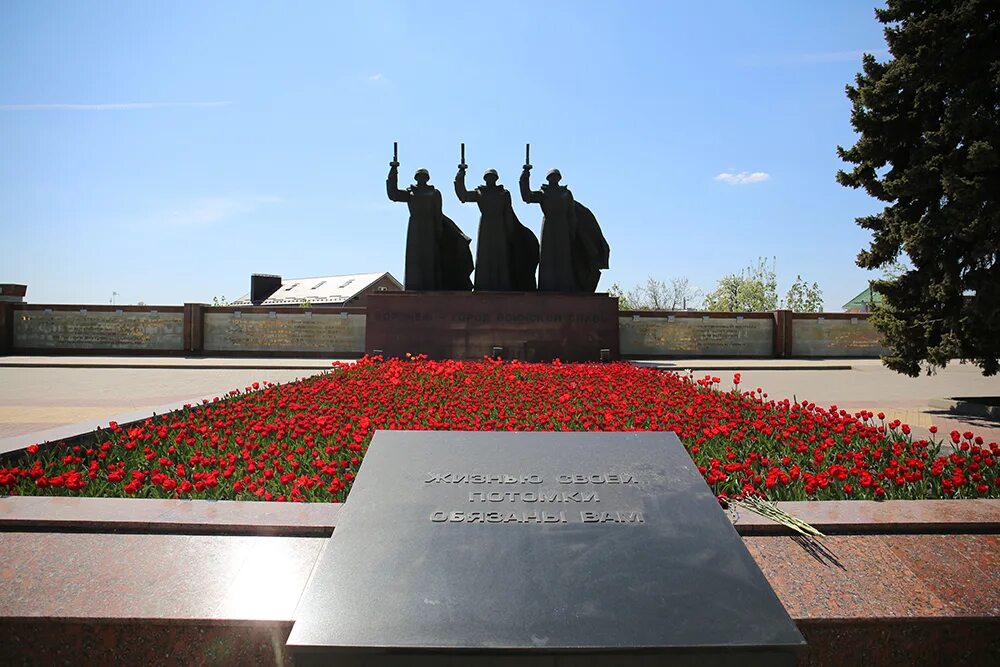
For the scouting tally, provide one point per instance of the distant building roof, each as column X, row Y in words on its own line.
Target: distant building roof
column 13, row 292
column 861, row 302
column 318, row 290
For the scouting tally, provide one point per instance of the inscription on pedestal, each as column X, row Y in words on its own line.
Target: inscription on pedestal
column 531, row 326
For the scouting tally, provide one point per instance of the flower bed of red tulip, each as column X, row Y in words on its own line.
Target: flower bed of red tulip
column 304, row 441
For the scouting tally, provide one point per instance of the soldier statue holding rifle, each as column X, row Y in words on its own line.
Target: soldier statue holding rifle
column 437, row 252
column 573, row 249
column 506, row 250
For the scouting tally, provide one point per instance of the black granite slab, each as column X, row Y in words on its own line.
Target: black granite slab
column 536, row 548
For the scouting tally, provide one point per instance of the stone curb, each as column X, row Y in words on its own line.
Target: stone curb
column 869, row 517
column 166, row 517
column 223, row 517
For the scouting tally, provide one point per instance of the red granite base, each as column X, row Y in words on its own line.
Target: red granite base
column 884, row 576
column 861, row 643
column 894, row 643
column 530, row 326
column 914, row 583
column 53, row 642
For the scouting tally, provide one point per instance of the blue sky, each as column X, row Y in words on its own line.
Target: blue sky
column 167, row 150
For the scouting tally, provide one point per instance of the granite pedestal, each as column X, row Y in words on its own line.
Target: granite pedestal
column 530, row 326
column 540, row 549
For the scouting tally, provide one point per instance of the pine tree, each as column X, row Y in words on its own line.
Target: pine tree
column 929, row 147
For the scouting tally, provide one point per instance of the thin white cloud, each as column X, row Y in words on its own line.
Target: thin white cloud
column 116, row 106
column 743, row 177
column 210, row 210
column 377, row 76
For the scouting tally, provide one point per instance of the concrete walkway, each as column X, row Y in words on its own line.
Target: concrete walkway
column 867, row 385
column 34, row 399
column 75, row 394
column 210, row 363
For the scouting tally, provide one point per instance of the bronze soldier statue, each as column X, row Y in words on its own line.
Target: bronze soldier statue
column 573, row 249
column 437, row 252
column 506, row 250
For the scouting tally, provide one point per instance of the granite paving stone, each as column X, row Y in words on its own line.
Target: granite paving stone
column 177, row 577
column 270, row 581
column 942, row 565
column 984, row 552
column 870, row 580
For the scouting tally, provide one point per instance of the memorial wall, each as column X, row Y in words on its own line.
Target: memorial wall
column 85, row 329
column 284, row 332
column 821, row 336
column 320, row 331
column 670, row 335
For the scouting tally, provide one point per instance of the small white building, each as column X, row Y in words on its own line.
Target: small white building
column 343, row 290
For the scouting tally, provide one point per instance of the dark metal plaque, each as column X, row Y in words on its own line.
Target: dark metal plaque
column 539, row 548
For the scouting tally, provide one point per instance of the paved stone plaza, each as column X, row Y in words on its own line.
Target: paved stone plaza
column 42, row 393
column 867, row 385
